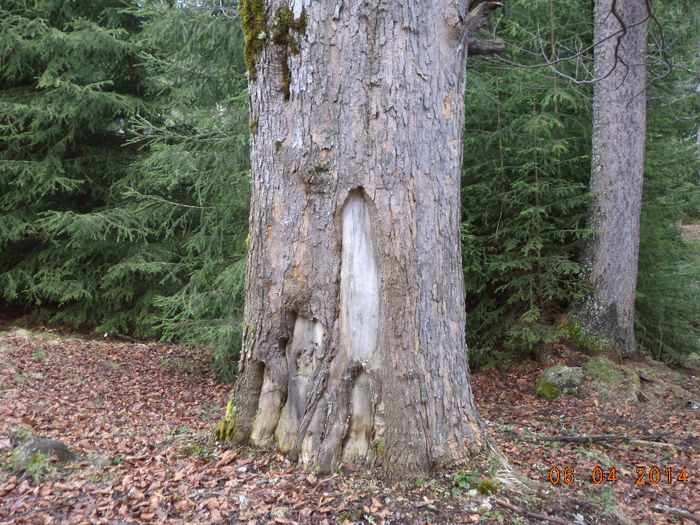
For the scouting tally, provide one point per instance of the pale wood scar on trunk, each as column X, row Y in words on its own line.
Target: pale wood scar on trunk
column 279, row 413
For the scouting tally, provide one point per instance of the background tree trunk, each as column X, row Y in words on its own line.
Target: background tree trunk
column 619, row 130
column 354, row 347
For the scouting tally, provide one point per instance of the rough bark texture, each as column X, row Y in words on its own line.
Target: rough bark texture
column 619, row 128
column 354, row 347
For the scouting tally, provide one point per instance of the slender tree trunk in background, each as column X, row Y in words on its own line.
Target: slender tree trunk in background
column 354, row 347
column 619, row 130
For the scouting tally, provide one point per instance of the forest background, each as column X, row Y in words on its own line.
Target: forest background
column 124, row 175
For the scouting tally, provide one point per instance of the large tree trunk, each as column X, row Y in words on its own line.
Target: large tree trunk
column 619, row 129
column 354, row 347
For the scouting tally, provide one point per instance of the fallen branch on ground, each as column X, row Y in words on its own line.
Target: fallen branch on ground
column 122, row 337
column 533, row 515
column 653, row 459
column 598, row 439
column 622, row 421
column 661, row 444
column 673, row 511
column 51, row 508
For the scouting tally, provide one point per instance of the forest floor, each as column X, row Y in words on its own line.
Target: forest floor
column 140, row 417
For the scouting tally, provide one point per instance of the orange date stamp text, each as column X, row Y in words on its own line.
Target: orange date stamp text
column 598, row 475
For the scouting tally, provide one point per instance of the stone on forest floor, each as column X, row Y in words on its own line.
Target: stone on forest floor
column 102, row 462
column 24, row 454
column 563, row 377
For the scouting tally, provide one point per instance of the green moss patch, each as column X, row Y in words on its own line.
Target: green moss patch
column 224, row 433
column 285, row 32
column 487, row 486
column 613, row 381
column 604, row 371
column 254, row 22
column 380, row 448
column 285, row 39
column 546, row 390
column 584, row 342
column 190, row 450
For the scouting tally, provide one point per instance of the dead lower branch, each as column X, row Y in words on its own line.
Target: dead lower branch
column 477, row 17
column 122, row 337
column 486, row 47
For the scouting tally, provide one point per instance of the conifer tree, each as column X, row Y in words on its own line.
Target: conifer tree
column 505, row 101
column 190, row 187
column 667, row 323
column 126, row 168
column 69, row 82
column 524, row 182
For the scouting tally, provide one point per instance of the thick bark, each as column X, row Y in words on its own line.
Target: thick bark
column 619, row 128
column 354, row 347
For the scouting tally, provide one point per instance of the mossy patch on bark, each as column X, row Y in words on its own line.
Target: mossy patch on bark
column 254, row 22
column 283, row 37
column 583, row 341
column 596, row 328
column 380, row 449
column 256, row 37
column 227, row 424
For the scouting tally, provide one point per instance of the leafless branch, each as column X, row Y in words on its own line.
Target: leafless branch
column 678, row 513
column 583, row 74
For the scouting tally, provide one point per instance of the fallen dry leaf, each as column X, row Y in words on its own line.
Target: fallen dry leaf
column 226, row 458
column 143, row 415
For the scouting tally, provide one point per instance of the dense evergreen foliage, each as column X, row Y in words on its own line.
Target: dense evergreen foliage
column 124, row 179
column 70, row 83
column 124, row 168
column 526, row 172
column 668, row 299
column 191, row 186
column 524, row 187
